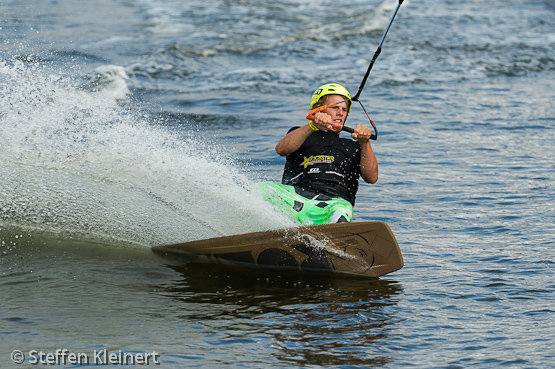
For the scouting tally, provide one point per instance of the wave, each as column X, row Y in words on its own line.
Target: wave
column 81, row 160
column 251, row 27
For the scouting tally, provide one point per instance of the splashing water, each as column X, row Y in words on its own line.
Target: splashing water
column 78, row 163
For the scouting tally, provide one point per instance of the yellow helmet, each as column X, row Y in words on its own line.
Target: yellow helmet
column 330, row 89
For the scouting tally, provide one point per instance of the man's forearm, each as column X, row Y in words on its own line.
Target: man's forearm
column 293, row 140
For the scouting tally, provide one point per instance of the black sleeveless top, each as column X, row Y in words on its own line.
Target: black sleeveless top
column 325, row 164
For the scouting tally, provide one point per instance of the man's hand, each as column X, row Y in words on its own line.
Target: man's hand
column 324, row 122
column 362, row 134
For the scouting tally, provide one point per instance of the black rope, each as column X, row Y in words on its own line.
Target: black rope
column 376, row 54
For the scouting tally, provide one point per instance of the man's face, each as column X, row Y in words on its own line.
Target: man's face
column 338, row 113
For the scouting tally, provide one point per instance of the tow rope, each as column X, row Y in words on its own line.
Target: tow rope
column 374, row 136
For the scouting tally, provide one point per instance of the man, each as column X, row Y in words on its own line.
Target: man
column 320, row 178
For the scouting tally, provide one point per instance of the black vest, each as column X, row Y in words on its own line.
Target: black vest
column 326, row 164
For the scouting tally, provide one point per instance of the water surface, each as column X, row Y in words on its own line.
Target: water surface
column 129, row 124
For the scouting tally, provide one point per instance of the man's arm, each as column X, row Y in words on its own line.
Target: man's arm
column 294, row 139
column 368, row 161
column 368, row 164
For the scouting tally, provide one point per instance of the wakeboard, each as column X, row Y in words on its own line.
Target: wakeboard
column 367, row 249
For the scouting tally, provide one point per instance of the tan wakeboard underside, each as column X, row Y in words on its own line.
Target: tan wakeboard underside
column 361, row 248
